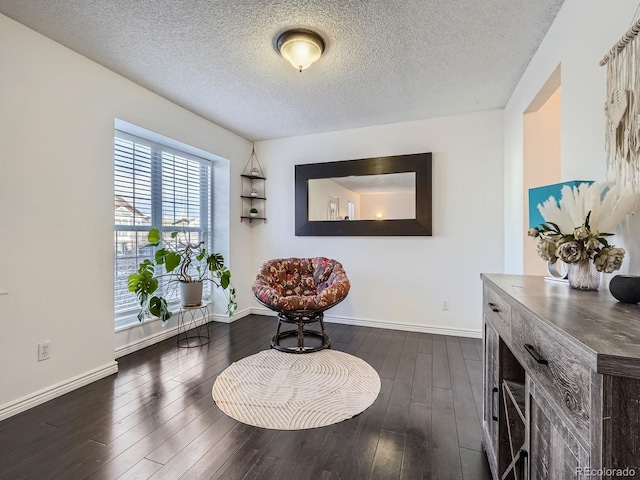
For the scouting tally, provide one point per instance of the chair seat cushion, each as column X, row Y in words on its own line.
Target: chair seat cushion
column 286, row 284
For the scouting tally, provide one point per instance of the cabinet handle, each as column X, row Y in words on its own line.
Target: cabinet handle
column 523, row 463
column 493, row 403
column 532, row 351
column 494, row 307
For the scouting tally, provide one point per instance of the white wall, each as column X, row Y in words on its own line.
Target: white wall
column 57, row 113
column 579, row 37
column 402, row 281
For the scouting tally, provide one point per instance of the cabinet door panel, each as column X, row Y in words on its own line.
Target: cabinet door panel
column 554, row 452
column 490, row 395
column 621, row 423
column 539, row 444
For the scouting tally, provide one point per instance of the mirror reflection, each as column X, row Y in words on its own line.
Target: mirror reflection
column 389, row 196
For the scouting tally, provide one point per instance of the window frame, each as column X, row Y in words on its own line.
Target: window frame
column 127, row 318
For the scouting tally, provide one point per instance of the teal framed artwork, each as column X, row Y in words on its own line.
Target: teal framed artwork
column 540, row 195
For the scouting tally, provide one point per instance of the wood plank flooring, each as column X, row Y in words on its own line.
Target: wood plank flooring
column 156, row 418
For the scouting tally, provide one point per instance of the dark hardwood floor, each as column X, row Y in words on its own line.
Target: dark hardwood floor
column 156, row 418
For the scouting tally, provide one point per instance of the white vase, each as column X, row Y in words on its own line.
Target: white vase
column 191, row 294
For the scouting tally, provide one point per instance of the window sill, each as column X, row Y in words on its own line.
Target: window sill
column 129, row 321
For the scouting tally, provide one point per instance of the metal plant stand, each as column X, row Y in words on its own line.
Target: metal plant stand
column 193, row 329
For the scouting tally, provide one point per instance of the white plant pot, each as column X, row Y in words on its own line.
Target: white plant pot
column 253, row 214
column 191, row 294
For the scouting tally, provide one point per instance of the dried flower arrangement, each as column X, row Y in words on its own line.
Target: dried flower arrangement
column 576, row 226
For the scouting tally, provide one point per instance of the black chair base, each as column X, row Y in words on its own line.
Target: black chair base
column 300, row 319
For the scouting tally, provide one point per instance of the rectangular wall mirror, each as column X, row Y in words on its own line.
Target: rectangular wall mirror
column 371, row 196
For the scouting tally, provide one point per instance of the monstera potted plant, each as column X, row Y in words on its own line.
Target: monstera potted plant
column 185, row 263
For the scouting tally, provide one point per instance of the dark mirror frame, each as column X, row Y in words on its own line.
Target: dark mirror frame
column 420, row 163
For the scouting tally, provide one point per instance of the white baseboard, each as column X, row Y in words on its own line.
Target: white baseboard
column 407, row 327
column 169, row 332
column 263, row 311
column 152, row 339
column 222, row 318
column 41, row 396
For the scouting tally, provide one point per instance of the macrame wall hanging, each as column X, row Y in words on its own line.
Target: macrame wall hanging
column 622, row 107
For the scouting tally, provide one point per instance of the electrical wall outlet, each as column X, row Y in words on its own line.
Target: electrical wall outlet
column 43, row 350
column 445, row 304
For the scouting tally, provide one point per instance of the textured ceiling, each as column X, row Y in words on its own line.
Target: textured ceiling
column 385, row 61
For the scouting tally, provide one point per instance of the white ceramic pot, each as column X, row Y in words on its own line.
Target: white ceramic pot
column 191, row 294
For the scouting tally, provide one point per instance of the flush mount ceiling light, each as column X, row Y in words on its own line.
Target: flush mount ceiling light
column 300, row 47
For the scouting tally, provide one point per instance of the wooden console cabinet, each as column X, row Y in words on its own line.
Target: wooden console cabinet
column 561, row 383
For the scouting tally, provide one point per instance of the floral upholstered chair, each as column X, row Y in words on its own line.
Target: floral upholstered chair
column 300, row 290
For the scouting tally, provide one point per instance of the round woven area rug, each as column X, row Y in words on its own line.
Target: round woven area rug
column 286, row 391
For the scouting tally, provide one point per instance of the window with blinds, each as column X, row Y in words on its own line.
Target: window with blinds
column 154, row 187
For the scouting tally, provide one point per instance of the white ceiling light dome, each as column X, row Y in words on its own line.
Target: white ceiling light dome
column 300, row 48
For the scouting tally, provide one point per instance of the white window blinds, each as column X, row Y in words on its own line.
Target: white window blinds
column 154, row 187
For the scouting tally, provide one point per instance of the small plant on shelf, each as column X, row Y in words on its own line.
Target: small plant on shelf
column 253, row 212
column 184, row 263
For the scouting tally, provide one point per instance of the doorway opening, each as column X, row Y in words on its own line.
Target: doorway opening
column 541, row 156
